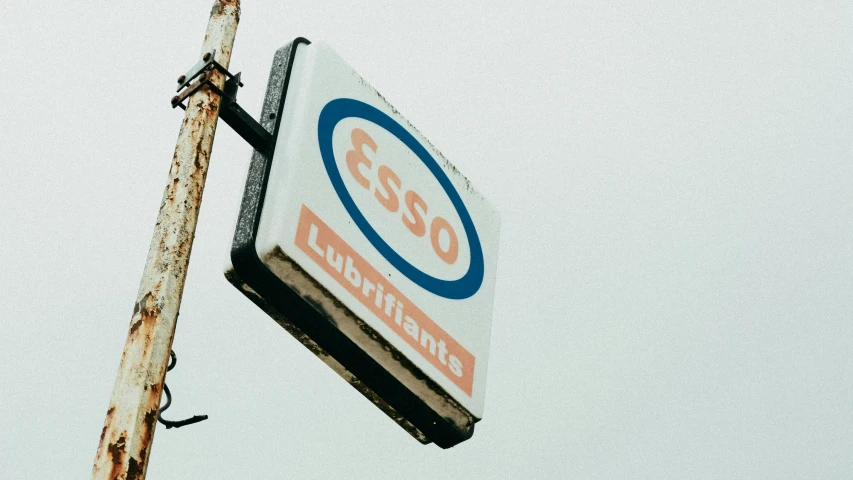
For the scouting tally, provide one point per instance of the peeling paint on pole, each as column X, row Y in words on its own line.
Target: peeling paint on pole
column 128, row 432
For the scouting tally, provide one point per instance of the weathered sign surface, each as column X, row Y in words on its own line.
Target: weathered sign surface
column 366, row 244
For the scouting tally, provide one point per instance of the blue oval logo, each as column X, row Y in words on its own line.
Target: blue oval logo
column 341, row 108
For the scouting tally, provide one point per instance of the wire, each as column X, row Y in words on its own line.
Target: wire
column 179, row 423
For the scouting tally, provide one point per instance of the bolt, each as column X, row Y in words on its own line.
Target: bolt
column 206, row 56
column 182, row 78
column 272, row 115
column 174, row 100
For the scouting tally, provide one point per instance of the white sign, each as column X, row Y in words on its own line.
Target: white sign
column 368, row 223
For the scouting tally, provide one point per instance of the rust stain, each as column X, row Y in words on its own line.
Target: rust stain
column 148, row 424
column 135, row 326
column 197, row 158
column 147, row 308
column 117, row 453
column 151, row 415
column 134, row 469
column 219, row 9
column 117, row 449
column 107, row 422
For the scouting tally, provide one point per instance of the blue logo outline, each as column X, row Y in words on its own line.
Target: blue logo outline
column 341, row 108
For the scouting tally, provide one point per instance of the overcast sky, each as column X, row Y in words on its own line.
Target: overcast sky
column 675, row 278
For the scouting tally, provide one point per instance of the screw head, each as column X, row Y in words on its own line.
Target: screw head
column 182, row 78
column 206, row 56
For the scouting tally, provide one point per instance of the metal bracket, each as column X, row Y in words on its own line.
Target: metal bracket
column 229, row 111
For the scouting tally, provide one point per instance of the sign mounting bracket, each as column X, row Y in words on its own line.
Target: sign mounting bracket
column 231, row 112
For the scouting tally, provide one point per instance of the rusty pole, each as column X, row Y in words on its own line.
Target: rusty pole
column 129, row 427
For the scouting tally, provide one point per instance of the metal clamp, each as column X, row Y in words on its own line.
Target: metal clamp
column 234, row 115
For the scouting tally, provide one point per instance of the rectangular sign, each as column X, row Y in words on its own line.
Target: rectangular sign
column 361, row 239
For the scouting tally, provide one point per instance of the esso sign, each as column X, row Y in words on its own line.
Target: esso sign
column 400, row 198
column 363, row 241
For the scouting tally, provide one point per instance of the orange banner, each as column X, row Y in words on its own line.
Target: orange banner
column 348, row 268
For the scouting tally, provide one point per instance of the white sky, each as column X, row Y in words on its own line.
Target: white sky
column 676, row 267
